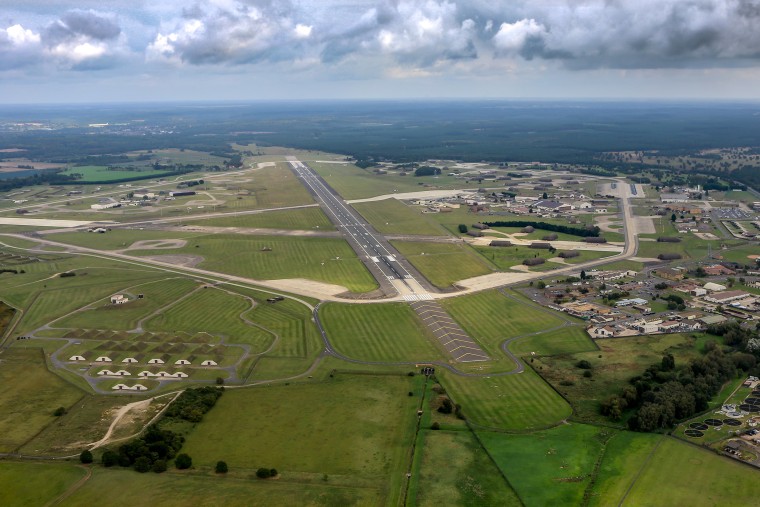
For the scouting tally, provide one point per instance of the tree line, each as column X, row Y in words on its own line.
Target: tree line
column 573, row 231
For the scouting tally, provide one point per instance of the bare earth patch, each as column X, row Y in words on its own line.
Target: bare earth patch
column 184, row 260
column 706, row 235
column 157, row 244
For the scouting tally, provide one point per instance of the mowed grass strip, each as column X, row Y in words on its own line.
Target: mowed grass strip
column 35, row 483
column 442, row 264
column 378, row 332
column 126, row 488
column 29, row 395
column 490, row 318
column 391, row 216
column 126, row 316
column 468, row 478
column 328, row 260
column 275, row 187
column 511, row 402
column 350, row 425
column 297, row 219
column 215, row 312
column 683, row 474
column 551, row 467
column 292, row 322
column 566, row 340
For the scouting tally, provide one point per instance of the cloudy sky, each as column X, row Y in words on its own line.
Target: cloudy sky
column 138, row 50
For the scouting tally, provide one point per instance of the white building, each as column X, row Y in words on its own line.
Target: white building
column 208, row 362
column 76, row 358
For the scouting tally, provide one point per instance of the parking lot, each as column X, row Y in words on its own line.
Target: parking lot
column 732, row 214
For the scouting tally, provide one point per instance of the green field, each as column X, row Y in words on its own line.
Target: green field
column 356, row 429
column 118, row 239
column 296, row 219
column 29, row 396
column 566, row 340
column 510, row 402
column 271, row 187
column 468, row 478
column 616, row 361
column 352, row 182
column 378, row 332
column 443, row 264
column 551, row 467
column 476, row 314
column 702, row 478
column 104, row 174
column 34, row 484
column 391, row 216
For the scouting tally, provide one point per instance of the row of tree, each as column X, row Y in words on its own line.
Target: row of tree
column 574, row 231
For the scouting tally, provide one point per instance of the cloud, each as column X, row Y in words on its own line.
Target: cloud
column 512, row 37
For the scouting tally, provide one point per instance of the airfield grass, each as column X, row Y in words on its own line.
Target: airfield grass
column 272, row 187
column 443, row 264
column 326, row 260
column 212, row 311
column 378, row 332
column 291, row 321
column 352, row 182
column 703, row 478
column 103, row 173
column 566, row 340
column 469, row 477
column 33, row 484
column 740, row 254
column 297, row 219
column 84, row 422
column 29, row 396
column 350, row 425
column 391, row 216
column 511, row 402
column 489, row 317
column 621, row 359
column 625, row 455
column 126, row 316
column 550, row 467
column 506, row 257
column 117, row 239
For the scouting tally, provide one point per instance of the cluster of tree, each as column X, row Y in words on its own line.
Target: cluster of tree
column 192, row 404
column 598, row 171
column 8, row 270
column 734, row 335
column 266, row 473
column 152, row 451
column 614, row 296
column 67, row 274
column 235, row 160
column 193, row 183
column 669, row 256
column 574, row 231
column 50, row 177
column 427, row 170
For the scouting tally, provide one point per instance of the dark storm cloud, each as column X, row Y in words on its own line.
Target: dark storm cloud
column 81, row 23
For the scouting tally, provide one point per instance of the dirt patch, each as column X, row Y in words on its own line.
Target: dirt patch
column 753, row 257
column 706, row 235
column 186, row 261
column 157, row 244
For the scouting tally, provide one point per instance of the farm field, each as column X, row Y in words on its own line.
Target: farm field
column 566, row 340
column 476, row 312
column 550, row 467
column 181, row 489
column 352, row 182
column 510, row 402
column 24, row 377
column 391, row 216
column 720, row 480
column 443, row 264
column 616, row 361
column 378, row 332
column 29, row 483
column 469, row 478
column 297, row 219
column 370, row 444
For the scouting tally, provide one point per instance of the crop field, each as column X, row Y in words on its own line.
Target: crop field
column 304, row 219
column 370, row 443
column 550, row 467
column 274, row 257
column 103, row 173
column 625, row 455
column 379, row 332
column 469, row 477
column 36, row 483
column 352, row 182
column 225, row 320
column 476, row 313
column 128, row 489
column 443, row 264
column 566, row 340
column 126, row 316
column 510, row 402
column 720, row 480
column 29, row 396
column 616, row 361
column 391, row 216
